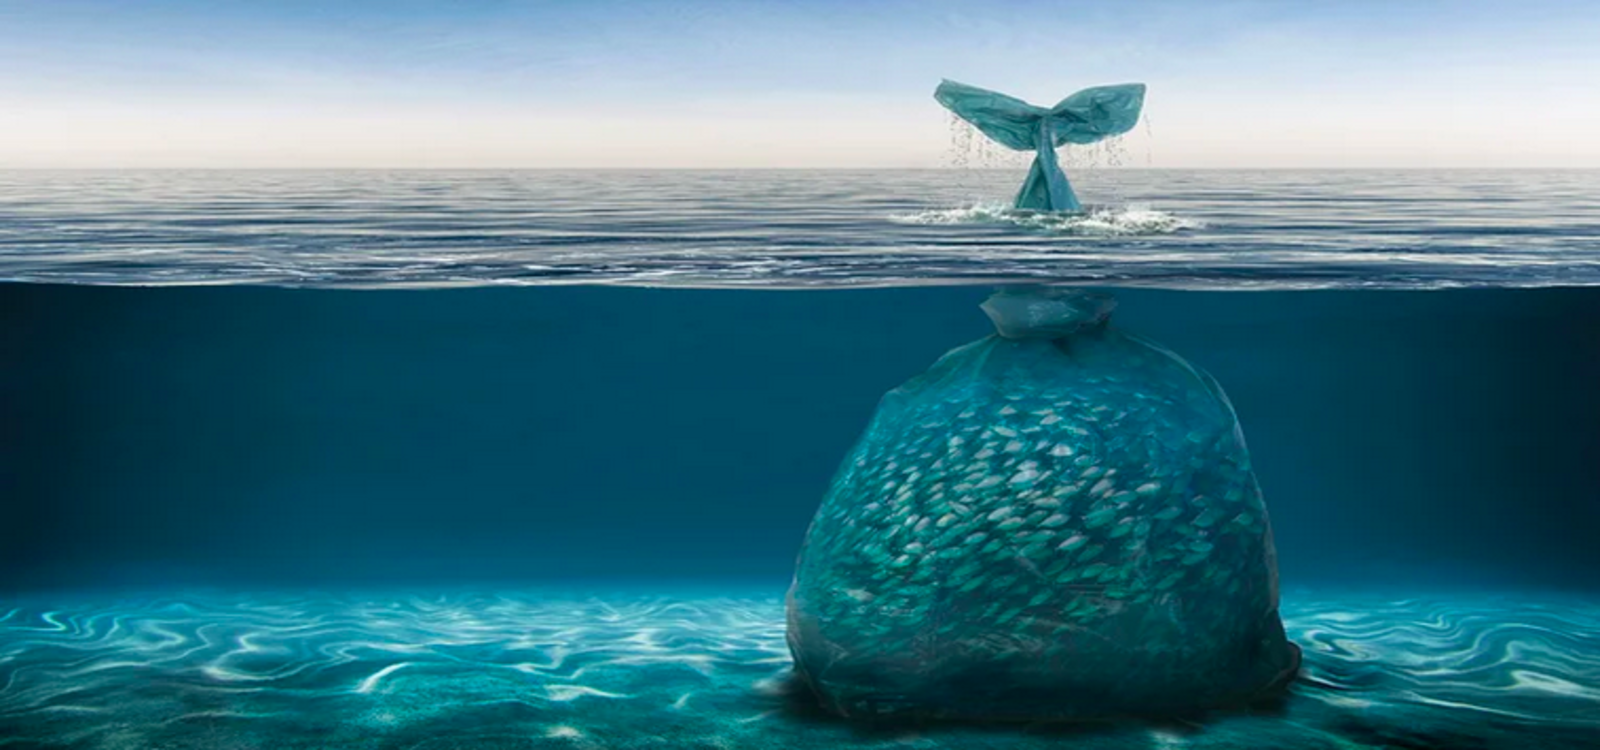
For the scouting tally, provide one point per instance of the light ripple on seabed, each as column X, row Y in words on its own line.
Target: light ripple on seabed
column 534, row 670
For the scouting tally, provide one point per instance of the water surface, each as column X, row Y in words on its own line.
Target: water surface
column 1180, row 229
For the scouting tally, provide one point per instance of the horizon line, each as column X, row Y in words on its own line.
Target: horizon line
column 1078, row 170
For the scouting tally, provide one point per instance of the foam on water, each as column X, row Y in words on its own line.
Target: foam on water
column 516, row 670
column 1097, row 221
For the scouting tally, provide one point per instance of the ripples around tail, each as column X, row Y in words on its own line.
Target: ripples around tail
column 537, row 670
column 1100, row 221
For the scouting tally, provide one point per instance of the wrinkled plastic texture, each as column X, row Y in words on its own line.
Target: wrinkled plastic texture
column 1085, row 117
column 1059, row 522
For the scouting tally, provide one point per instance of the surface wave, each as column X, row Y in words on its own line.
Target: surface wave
column 800, row 229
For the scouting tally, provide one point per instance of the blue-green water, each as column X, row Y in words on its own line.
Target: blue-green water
column 623, row 670
column 430, row 513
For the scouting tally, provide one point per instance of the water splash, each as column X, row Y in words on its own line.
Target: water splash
column 1104, row 221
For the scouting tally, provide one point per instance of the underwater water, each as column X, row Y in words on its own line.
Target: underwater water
column 409, row 460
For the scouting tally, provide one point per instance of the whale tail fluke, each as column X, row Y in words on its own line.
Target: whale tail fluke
column 1084, row 117
column 1097, row 112
column 1008, row 121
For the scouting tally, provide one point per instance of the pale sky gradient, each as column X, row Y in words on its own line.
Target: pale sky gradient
column 818, row 83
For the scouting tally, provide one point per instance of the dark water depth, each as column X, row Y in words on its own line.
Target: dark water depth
column 262, row 436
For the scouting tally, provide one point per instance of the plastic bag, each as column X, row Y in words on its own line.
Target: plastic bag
column 1057, row 521
column 1084, row 117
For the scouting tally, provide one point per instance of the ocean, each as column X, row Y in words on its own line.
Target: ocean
column 507, row 459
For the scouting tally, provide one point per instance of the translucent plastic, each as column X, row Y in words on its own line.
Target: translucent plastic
column 1085, row 117
column 1056, row 521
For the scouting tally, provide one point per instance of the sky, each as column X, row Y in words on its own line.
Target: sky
column 796, row 83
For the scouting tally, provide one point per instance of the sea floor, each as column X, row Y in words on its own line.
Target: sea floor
column 228, row 671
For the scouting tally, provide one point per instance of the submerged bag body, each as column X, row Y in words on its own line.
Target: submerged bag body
column 1056, row 521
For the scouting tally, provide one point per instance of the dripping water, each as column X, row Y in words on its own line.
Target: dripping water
column 976, row 161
